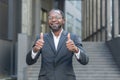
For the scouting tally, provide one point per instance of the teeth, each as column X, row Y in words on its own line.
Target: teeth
column 54, row 24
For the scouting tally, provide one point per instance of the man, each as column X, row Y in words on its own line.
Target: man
column 57, row 49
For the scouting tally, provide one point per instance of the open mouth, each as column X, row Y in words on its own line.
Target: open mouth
column 54, row 24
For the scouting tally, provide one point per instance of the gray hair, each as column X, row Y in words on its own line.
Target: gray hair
column 58, row 11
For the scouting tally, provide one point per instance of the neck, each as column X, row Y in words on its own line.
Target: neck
column 57, row 33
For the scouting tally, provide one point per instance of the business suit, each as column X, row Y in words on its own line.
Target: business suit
column 57, row 64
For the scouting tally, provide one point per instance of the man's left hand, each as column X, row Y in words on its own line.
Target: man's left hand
column 70, row 45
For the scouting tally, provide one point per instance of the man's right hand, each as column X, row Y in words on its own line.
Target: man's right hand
column 39, row 44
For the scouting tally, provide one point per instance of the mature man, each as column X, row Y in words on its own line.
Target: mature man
column 57, row 49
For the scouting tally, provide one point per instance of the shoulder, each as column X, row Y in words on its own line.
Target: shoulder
column 74, row 35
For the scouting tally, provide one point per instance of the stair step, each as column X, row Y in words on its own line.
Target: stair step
column 101, row 64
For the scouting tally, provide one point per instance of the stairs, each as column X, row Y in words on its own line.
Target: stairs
column 101, row 65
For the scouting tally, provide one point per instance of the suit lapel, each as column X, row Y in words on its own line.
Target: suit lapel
column 51, row 42
column 62, row 39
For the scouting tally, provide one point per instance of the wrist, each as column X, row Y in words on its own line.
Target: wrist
column 35, row 50
column 76, row 50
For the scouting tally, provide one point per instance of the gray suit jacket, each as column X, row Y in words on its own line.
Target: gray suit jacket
column 57, row 64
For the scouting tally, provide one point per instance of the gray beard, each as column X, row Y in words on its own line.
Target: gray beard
column 55, row 28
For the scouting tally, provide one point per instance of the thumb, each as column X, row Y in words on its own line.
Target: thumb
column 68, row 36
column 41, row 36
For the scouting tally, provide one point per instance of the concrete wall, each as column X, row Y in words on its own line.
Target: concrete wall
column 114, row 46
column 24, row 45
column 5, row 57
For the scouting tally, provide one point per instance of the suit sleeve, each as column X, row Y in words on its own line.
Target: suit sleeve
column 29, row 59
column 83, row 59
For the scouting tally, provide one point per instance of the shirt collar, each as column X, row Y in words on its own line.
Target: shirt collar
column 59, row 34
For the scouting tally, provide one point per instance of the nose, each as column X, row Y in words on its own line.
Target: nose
column 54, row 19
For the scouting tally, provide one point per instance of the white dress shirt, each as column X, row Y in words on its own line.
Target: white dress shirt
column 56, row 41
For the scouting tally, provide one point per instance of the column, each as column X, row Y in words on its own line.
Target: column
column 116, row 18
column 37, row 16
column 108, row 22
column 27, row 17
column 23, row 41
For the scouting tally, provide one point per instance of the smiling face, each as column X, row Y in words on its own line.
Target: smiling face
column 55, row 20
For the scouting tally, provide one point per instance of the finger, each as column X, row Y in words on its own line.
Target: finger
column 72, row 43
column 41, row 36
column 37, row 47
column 68, row 36
column 69, row 41
column 40, row 43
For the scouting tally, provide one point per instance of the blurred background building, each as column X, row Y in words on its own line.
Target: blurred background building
column 22, row 20
column 73, row 16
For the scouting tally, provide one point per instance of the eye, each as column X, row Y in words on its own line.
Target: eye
column 55, row 17
column 58, row 17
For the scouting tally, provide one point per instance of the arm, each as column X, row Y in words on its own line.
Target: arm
column 83, row 57
column 30, row 60
column 74, row 44
column 36, row 50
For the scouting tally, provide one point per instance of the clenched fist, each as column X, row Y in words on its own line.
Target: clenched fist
column 70, row 45
column 39, row 43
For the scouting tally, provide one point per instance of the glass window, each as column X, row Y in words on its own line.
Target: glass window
column 44, row 16
column 44, row 21
column 78, row 5
column 71, row 1
column 78, row 28
column 69, row 22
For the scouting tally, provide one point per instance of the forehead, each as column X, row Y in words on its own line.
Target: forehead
column 55, row 12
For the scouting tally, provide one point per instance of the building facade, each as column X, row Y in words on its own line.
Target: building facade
column 22, row 20
column 100, row 19
column 73, row 16
column 10, row 23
